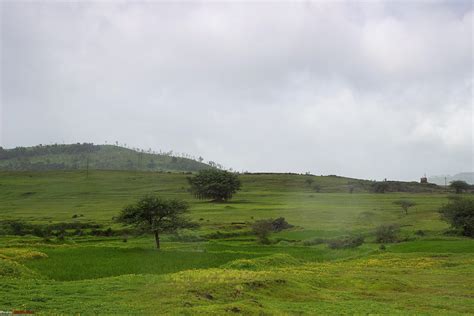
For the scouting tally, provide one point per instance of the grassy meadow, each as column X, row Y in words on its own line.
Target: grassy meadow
column 220, row 268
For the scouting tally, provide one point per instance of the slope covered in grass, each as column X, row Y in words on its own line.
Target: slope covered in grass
column 99, row 157
column 220, row 269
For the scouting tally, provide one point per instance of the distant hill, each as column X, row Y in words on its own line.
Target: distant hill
column 99, row 157
column 464, row 176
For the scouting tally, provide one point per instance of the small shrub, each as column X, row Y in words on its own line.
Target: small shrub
column 262, row 230
column 420, row 233
column 38, row 232
column 382, row 247
column 280, row 224
column 346, row 242
column 387, row 233
column 18, row 228
column 460, row 214
column 317, row 188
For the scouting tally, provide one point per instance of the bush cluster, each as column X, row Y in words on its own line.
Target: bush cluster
column 60, row 230
column 387, row 233
column 346, row 242
column 460, row 214
column 262, row 228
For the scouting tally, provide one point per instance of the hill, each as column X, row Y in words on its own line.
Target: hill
column 93, row 157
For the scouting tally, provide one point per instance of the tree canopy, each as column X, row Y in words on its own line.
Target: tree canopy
column 405, row 204
column 460, row 214
column 459, row 186
column 156, row 215
column 218, row 185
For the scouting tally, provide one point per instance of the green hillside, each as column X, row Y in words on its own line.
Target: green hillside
column 98, row 157
column 92, row 265
column 100, row 194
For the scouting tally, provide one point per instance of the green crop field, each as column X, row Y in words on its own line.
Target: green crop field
column 220, row 268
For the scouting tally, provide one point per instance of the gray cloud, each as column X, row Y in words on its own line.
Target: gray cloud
column 371, row 90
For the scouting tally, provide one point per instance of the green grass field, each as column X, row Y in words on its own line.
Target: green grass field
column 429, row 273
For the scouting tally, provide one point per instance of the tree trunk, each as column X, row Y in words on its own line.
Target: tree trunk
column 157, row 240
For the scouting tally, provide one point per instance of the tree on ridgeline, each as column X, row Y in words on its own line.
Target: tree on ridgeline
column 156, row 215
column 459, row 186
column 218, row 185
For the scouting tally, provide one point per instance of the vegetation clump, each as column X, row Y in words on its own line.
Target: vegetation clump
column 380, row 187
column 346, row 242
column 262, row 228
column 218, row 185
column 387, row 233
column 280, row 224
column 460, row 214
column 459, row 186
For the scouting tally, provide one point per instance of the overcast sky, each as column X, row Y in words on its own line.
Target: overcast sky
column 363, row 89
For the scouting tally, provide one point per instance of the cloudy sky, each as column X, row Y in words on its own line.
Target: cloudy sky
column 362, row 89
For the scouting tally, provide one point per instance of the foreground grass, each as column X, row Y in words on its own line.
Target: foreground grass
column 395, row 283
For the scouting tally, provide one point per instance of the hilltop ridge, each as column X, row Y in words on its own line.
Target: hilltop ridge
column 94, row 157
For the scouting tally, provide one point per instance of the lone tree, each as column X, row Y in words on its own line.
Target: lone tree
column 156, row 215
column 218, row 185
column 405, row 204
column 459, row 186
column 460, row 214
